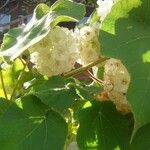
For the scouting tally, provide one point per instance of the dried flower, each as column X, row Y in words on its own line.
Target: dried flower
column 116, row 83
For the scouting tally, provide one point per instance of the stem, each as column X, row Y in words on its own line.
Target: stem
column 18, row 82
column 23, row 62
column 3, row 85
column 81, row 69
column 71, row 128
column 94, row 78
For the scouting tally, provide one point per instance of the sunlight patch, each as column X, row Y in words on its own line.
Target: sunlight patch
column 117, row 148
column 146, row 57
column 87, row 104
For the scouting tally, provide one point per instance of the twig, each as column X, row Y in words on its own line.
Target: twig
column 81, row 69
column 3, row 85
column 4, row 4
column 22, row 61
column 94, row 78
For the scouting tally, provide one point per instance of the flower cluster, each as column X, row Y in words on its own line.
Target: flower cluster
column 104, row 8
column 88, row 44
column 56, row 53
column 116, row 83
column 61, row 48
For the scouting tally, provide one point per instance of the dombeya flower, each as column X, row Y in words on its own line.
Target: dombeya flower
column 56, row 53
column 88, row 44
column 116, row 83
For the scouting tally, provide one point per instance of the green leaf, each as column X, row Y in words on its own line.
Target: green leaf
column 17, row 40
column 94, row 18
column 10, row 76
column 102, row 128
column 25, row 125
column 88, row 92
column 72, row 9
column 125, row 35
column 141, row 139
column 55, row 92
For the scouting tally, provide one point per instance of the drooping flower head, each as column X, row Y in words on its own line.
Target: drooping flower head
column 56, row 53
column 116, row 83
column 88, row 44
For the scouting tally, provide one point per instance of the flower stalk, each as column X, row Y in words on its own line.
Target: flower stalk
column 18, row 82
column 3, row 85
column 100, row 82
column 84, row 68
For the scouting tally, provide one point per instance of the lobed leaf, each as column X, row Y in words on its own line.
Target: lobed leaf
column 102, row 128
column 26, row 125
column 55, row 93
column 125, row 35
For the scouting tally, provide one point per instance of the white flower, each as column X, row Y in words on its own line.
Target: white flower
column 104, row 8
column 56, row 53
column 88, row 44
column 116, row 83
column 117, row 75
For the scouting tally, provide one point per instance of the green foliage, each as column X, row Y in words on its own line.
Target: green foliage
column 69, row 8
column 142, row 139
column 102, row 128
column 125, row 36
column 26, row 125
column 17, row 40
column 87, row 92
column 11, row 75
column 52, row 111
column 55, row 92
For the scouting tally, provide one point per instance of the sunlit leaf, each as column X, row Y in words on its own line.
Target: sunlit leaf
column 125, row 35
column 17, row 40
column 10, row 76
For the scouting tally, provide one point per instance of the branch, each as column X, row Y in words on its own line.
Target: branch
column 4, row 4
column 81, row 69
column 100, row 82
